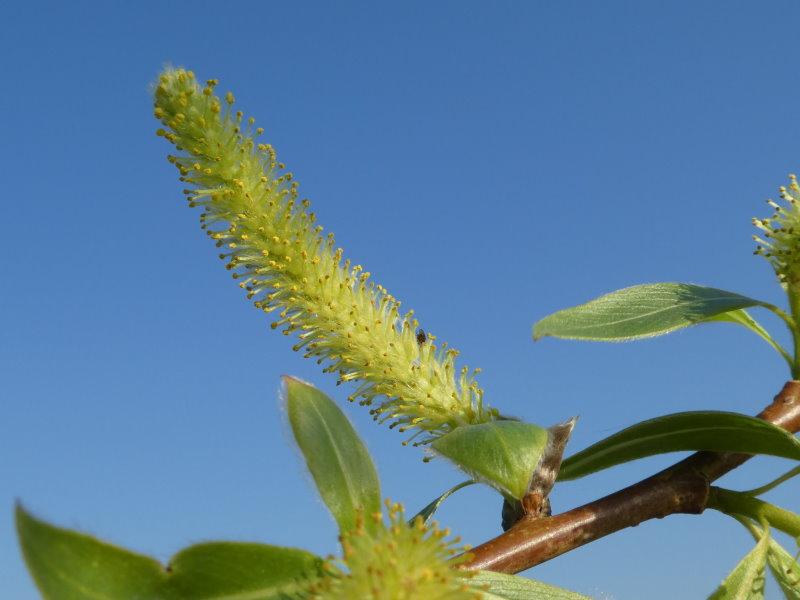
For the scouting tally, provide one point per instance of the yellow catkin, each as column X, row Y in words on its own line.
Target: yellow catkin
column 779, row 241
column 279, row 256
column 395, row 561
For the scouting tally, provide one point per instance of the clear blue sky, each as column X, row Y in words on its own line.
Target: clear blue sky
column 488, row 162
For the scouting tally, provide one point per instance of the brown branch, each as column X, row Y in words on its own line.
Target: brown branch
column 681, row 488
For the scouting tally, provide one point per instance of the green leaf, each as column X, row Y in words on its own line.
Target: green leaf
column 251, row 571
column 785, row 569
column 500, row 586
column 503, row 454
column 697, row 430
column 746, row 581
column 427, row 512
column 641, row 311
column 68, row 565
column 337, row 458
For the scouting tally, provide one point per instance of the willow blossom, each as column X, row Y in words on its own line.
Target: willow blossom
column 780, row 235
column 395, row 561
column 274, row 248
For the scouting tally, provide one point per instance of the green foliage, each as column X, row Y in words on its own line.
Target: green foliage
column 641, row 311
column 503, row 454
column 650, row 310
column 412, row 560
column 67, row 565
column 336, row 457
column 697, row 430
column 404, row 561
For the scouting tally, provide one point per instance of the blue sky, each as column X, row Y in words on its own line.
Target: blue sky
column 489, row 163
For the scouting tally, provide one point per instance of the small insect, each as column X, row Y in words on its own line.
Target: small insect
column 421, row 337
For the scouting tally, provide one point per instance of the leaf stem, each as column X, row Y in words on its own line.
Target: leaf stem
column 749, row 525
column 763, row 334
column 740, row 503
column 792, row 325
column 792, row 322
column 773, row 484
column 784, row 316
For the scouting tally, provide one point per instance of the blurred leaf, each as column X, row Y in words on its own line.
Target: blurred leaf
column 72, row 566
column 746, row 581
column 503, row 454
column 253, row 571
column 337, row 458
column 500, row 586
column 785, row 569
column 697, row 430
column 68, row 565
column 641, row 311
column 427, row 512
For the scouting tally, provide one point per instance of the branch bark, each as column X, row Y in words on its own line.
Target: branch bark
column 681, row 488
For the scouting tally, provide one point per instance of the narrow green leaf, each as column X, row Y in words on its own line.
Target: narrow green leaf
column 698, row 430
column 337, row 458
column 785, row 569
column 641, row 311
column 500, row 586
column 503, row 454
column 67, row 565
column 746, row 581
column 427, row 512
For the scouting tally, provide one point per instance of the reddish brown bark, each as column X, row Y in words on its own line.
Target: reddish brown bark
column 682, row 488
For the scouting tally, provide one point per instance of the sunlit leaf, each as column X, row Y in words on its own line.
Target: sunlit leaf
column 697, row 430
column 219, row 570
column 641, row 311
column 338, row 460
column 67, row 565
column 503, row 454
